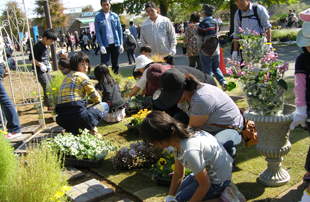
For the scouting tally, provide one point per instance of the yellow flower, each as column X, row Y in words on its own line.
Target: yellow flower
column 3, row 132
column 162, row 161
column 152, row 178
column 53, row 88
column 171, row 155
column 66, row 188
column 41, row 98
column 47, row 93
column 40, row 116
column 130, row 77
column 59, row 194
column 172, row 166
column 165, row 151
column 161, row 168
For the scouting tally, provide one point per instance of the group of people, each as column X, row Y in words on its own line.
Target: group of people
column 291, row 19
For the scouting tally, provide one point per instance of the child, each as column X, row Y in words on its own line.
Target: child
column 63, row 53
column 64, row 66
column 197, row 151
column 145, row 50
column 41, row 60
column 109, row 90
column 130, row 46
column 12, row 63
column 222, row 43
column 72, row 110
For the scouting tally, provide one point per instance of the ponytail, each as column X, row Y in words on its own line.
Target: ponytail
column 192, row 83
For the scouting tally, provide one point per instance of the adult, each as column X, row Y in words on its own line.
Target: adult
column 219, row 23
column 13, row 125
column 206, row 106
column 210, row 63
column 289, row 19
column 76, row 38
column 109, row 35
column 139, row 31
column 63, row 41
column 254, row 17
column 68, row 41
column 185, row 24
column 157, row 32
column 133, row 31
column 190, row 41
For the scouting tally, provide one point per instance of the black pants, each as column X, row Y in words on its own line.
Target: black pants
column 307, row 164
column 169, row 60
column 193, row 60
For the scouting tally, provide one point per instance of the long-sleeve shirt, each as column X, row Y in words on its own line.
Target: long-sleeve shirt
column 207, row 29
column 159, row 35
column 190, row 42
column 75, row 86
column 133, row 31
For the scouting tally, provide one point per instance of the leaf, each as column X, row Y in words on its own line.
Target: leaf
column 282, row 83
column 231, row 85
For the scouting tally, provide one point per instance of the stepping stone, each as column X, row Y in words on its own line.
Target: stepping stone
column 53, row 129
column 31, row 129
column 43, row 136
column 74, row 174
column 21, row 139
column 22, row 148
column 89, row 191
column 125, row 200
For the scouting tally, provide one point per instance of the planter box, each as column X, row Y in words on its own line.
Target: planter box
column 84, row 163
column 162, row 181
column 132, row 127
column 131, row 112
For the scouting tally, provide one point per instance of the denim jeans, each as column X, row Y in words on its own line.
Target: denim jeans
column 229, row 138
column 211, row 64
column 8, row 108
column 131, row 54
column 190, row 185
column 114, row 52
column 44, row 79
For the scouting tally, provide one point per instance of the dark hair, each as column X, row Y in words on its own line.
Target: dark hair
column 102, row 74
column 150, row 4
column 92, row 32
column 290, row 10
column 294, row 10
column 104, row 1
column 158, row 126
column 136, row 74
column 8, row 54
column 50, row 34
column 195, row 16
column 305, row 50
column 77, row 58
column 146, row 48
column 131, row 22
column 208, row 13
column 64, row 62
column 192, row 83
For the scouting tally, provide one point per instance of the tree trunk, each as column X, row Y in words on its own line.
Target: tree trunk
column 233, row 10
column 163, row 8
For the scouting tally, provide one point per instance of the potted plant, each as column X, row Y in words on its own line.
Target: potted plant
column 137, row 155
column 37, row 106
column 135, row 123
column 262, row 82
column 84, row 150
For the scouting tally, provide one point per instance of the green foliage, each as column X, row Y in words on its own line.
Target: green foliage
column 165, row 166
column 88, row 8
column 37, row 177
column 181, row 37
column 53, row 88
column 7, row 164
column 117, row 77
column 289, row 34
column 129, row 82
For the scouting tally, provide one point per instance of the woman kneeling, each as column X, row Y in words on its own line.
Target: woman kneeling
column 198, row 151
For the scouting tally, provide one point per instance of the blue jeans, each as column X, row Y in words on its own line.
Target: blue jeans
column 114, row 52
column 211, row 64
column 229, row 138
column 190, row 185
column 8, row 108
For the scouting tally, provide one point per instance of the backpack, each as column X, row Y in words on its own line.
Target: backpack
column 251, row 16
column 131, row 40
column 211, row 44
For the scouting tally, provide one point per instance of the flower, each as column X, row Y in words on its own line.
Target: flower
column 138, row 118
column 173, row 167
column 261, row 78
column 132, row 152
column 162, row 161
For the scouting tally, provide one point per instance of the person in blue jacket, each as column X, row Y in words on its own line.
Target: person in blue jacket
column 109, row 35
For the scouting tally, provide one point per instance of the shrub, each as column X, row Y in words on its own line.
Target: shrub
column 53, row 89
column 181, row 37
column 37, row 177
column 284, row 34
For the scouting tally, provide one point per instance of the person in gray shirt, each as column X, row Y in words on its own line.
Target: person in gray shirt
column 198, row 151
column 207, row 106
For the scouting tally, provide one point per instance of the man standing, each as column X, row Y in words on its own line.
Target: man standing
column 210, row 62
column 254, row 17
column 133, row 31
column 109, row 35
column 157, row 32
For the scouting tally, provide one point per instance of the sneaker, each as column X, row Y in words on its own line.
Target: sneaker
column 224, row 86
column 306, row 181
column 12, row 135
column 232, row 193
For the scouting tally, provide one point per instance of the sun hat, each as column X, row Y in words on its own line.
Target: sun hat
column 127, row 32
column 153, row 75
column 141, row 62
column 305, row 15
column 303, row 36
column 171, row 89
column 62, row 51
column 208, row 8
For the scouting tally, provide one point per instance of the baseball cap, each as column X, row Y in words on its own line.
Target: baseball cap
column 62, row 51
column 208, row 8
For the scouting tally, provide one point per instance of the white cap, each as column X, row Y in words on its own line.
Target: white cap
column 141, row 62
column 127, row 31
column 62, row 51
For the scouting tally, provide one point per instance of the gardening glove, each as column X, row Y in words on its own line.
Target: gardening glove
column 172, row 51
column 49, row 67
column 128, row 98
column 121, row 49
column 170, row 198
column 269, row 46
column 103, row 50
column 234, row 56
column 43, row 68
column 299, row 117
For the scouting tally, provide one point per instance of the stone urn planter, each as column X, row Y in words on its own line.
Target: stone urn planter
column 273, row 143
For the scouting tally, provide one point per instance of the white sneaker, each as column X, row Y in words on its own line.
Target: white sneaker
column 232, row 194
column 12, row 135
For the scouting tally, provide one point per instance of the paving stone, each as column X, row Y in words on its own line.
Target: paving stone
column 125, row 200
column 31, row 129
column 74, row 174
column 43, row 136
column 21, row 139
column 53, row 129
column 89, row 191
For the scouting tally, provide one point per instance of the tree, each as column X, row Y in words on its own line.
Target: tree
column 58, row 18
column 15, row 12
column 88, row 8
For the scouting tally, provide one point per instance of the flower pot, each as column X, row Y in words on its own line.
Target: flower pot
column 273, row 142
column 41, row 122
column 130, row 112
column 132, row 128
column 82, row 163
column 160, row 181
column 54, row 117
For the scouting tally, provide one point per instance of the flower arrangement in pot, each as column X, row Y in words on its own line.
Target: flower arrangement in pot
column 135, row 123
column 138, row 155
column 37, row 106
column 260, row 76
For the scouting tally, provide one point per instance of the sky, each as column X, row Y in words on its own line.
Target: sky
column 67, row 4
